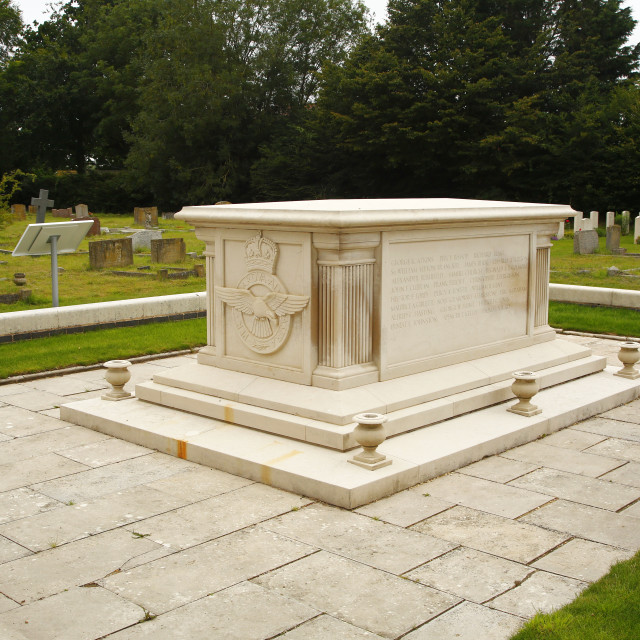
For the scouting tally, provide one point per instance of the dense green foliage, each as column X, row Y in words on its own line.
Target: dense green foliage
column 194, row 101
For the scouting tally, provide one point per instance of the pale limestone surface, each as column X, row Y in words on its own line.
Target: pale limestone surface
column 516, row 541
column 590, row 491
column 485, row 495
column 541, row 593
column 9, row 550
column 358, row 594
column 377, row 544
column 282, row 586
column 627, row 474
column 471, row 574
column 563, row 459
column 468, row 621
column 582, row 560
column 405, row 508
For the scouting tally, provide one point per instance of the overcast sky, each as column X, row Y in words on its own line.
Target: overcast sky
column 39, row 9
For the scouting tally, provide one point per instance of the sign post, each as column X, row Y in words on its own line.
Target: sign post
column 52, row 238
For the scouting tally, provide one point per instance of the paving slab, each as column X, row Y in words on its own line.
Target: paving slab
column 580, row 520
column 34, row 400
column 199, row 484
column 47, row 442
column 106, row 451
column 617, row 448
column 470, row 574
column 468, row 621
column 6, row 604
column 66, row 386
column 498, row 469
column 324, row 627
column 563, row 459
column 52, row 413
column 633, row 510
column 17, row 422
column 492, row 534
column 624, row 413
column 217, row 516
column 34, row 470
column 243, row 612
column 573, row 439
column 77, row 614
column 49, row 572
column 484, row 495
column 14, row 388
column 23, row 502
column 541, row 593
column 187, row 576
column 404, row 508
column 611, row 428
column 582, row 560
column 358, row 594
column 112, row 478
column 80, row 520
column 629, row 474
column 374, row 543
column 576, row 488
column 10, row 551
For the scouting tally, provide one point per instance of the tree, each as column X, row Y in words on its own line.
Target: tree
column 10, row 29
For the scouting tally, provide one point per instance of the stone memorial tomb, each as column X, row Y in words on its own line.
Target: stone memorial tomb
column 146, row 216
column 19, row 211
column 585, row 242
column 168, row 251
column 62, row 213
column 111, row 253
column 415, row 313
column 142, row 239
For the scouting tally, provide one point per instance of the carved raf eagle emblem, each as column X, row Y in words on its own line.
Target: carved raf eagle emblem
column 261, row 307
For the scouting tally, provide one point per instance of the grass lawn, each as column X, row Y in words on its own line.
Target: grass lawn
column 78, row 284
column 58, row 352
column 608, row 610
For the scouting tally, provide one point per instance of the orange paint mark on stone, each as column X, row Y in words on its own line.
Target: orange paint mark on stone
column 265, row 471
column 228, row 414
column 182, row 449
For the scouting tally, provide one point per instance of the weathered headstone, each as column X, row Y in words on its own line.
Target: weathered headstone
column 626, row 219
column 142, row 239
column 111, row 253
column 585, row 241
column 560, row 233
column 32, row 209
column 95, row 228
column 168, row 250
column 611, row 218
column 62, row 213
column 636, row 231
column 19, row 211
column 577, row 221
column 41, row 202
column 82, row 211
column 146, row 216
column 613, row 239
column 593, row 216
column 168, row 215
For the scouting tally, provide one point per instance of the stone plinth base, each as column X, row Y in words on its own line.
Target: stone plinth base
column 326, row 474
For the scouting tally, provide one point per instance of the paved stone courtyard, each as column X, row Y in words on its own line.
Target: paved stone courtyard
column 100, row 538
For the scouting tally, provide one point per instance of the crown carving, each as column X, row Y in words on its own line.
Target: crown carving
column 261, row 253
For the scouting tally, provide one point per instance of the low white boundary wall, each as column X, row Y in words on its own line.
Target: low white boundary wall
column 17, row 325
column 20, row 325
column 594, row 295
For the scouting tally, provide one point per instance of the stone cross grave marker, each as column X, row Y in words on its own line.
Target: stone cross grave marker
column 42, row 202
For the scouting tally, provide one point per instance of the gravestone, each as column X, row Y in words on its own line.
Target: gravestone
column 585, row 242
column 41, row 202
column 626, row 219
column 142, row 239
column 95, row 228
column 593, row 216
column 146, row 216
column 82, row 211
column 577, row 221
column 636, row 231
column 611, row 218
column 62, row 213
column 168, row 250
column 32, row 209
column 111, row 253
column 19, row 211
column 613, row 239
